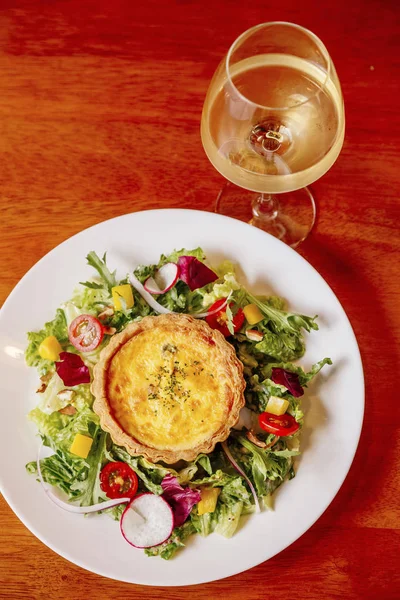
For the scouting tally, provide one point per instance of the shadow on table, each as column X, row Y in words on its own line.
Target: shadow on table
column 370, row 470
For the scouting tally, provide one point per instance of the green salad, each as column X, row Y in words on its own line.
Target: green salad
column 211, row 493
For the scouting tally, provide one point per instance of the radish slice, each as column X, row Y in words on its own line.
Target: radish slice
column 151, row 286
column 74, row 508
column 147, row 521
column 147, row 296
column 242, row 473
column 164, row 279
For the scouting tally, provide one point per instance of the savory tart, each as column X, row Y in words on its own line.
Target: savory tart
column 168, row 387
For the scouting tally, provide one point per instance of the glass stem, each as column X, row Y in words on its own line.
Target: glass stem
column 265, row 207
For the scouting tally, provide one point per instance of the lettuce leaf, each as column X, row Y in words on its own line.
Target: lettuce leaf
column 204, row 524
column 284, row 346
column 217, row 479
column 48, row 424
column 235, row 491
column 204, row 461
column 227, row 518
column 85, row 422
column 176, row 298
column 266, row 468
column 263, row 390
column 152, row 474
column 88, row 491
column 91, row 300
column 176, row 254
column 49, row 402
column 304, row 377
column 71, row 311
column 282, row 330
column 61, row 470
column 233, row 500
column 177, row 540
column 149, row 474
column 276, row 462
column 224, row 520
column 283, row 321
column 100, row 265
column 77, row 477
column 221, row 289
column 121, row 319
column 56, row 327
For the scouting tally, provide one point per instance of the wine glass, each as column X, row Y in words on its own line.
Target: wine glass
column 272, row 123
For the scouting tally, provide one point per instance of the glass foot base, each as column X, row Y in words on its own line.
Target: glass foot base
column 289, row 216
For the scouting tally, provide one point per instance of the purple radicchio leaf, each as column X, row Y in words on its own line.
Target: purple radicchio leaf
column 180, row 499
column 195, row 273
column 289, row 380
column 72, row 370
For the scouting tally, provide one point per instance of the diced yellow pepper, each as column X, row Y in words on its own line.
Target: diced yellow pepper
column 124, row 292
column 253, row 314
column 208, row 502
column 277, row 406
column 50, row 348
column 81, row 445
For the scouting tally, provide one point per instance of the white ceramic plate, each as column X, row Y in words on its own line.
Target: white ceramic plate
column 334, row 405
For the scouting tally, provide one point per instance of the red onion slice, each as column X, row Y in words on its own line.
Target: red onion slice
column 73, row 507
column 242, row 473
column 147, row 296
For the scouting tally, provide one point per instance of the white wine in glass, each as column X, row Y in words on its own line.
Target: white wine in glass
column 272, row 123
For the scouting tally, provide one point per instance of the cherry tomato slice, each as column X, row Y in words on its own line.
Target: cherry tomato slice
column 118, row 480
column 219, row 319
column 85, row 333
column 279, row 425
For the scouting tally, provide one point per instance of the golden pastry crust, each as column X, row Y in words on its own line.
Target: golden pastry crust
column 168, row 388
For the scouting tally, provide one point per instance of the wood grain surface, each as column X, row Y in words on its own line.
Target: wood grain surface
column 100, row 105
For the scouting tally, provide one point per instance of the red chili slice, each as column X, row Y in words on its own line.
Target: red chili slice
column 86, row 333
column 219, row 319
column 279, row 425
column 118, row 480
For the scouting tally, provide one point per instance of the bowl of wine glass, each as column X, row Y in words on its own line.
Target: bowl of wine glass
column 273, row 123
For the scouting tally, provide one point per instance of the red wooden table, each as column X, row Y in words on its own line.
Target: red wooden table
column 100, row 104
